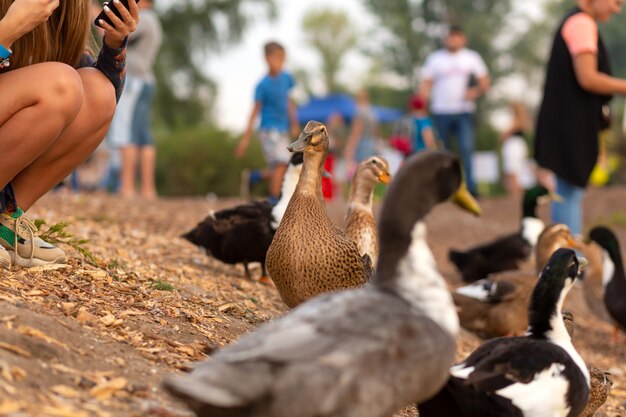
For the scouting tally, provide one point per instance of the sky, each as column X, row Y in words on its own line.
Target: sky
column 237, row 70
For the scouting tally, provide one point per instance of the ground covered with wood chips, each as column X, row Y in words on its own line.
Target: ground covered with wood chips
column 96, row 340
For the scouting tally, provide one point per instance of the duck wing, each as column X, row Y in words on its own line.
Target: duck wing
column 360, row 352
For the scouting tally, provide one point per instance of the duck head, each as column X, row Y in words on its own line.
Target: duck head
column 552, row 238
column 556, row 280
column 313, row 138
column 426, row 179
column 374, row 170
column 535, row 196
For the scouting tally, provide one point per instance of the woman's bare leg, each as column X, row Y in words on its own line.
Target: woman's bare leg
column 76, row 142
column 147, row 158
column 39, row 103
column 128, row 173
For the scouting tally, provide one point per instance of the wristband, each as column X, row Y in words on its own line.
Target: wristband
column 4, row 52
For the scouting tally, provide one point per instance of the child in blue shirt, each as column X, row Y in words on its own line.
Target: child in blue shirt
column 278, row 116
column 423, row 133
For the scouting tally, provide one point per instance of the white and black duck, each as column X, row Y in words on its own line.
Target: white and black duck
column 507, row 252
column 363, row 352
column 242, row 234
column 537, row 375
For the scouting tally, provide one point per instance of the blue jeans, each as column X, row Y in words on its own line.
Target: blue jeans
column 462, row 125
column 569, row 211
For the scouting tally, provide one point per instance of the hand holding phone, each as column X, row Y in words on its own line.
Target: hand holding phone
column 103, row 16
column 118, row 19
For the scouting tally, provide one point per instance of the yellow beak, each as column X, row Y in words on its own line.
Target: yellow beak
column 465, row 200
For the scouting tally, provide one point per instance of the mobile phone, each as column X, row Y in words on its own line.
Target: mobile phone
column 103, row 15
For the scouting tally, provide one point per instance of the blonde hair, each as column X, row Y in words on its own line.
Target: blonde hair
column 65, row 37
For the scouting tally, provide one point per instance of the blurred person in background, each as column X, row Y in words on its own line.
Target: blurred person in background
column 577, row 90
column 273, row 103
column 517, row 171
column 453, row 79
column 361, row 143
column 131, row 128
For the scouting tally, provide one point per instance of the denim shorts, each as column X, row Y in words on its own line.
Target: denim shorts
column 131, row 123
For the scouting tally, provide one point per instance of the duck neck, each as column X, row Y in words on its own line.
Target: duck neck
column 559, row 335
column 613, row 268
column 529, row 205
column 531, row 229
column 544, row 312
column 419, row 282
column 362, row 193
column 396, row 232
column 310, row 181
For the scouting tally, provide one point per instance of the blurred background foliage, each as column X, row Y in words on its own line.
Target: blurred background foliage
column 406, row 31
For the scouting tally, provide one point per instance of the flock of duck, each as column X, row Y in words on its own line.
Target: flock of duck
column 373, row 331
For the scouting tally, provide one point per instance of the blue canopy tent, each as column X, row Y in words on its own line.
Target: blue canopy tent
column 321, row 108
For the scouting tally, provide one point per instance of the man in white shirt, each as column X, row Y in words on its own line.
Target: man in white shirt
column 453, row 78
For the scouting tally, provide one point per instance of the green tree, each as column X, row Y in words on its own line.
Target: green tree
column 195, row 29
column 332, row 34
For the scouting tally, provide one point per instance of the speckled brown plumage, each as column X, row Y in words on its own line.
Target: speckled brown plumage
column 600, row 390
column 360, row 225
column 600, row 382
column 309, row 254
column 506, row 313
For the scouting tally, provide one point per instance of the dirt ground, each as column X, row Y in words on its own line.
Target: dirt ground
column 83, row 340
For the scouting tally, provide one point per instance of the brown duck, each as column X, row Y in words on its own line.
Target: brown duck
column 309, row 254
column 600, row 386
column 497, row 306
column 360, row 224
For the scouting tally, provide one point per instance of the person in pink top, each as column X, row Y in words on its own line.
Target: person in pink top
column 577, row 91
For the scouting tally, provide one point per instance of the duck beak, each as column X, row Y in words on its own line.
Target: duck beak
column 582, row 263
column 575, row 243
column 385, row 178
column 466, row 201
column 552, row 196
column 301, row 144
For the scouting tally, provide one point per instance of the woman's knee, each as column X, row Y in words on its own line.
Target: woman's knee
column 99, row 95
column 62, row 89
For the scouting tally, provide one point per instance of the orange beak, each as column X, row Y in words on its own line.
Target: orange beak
column 385, row 178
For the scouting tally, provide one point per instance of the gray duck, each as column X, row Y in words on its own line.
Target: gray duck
column 360, row 225
column 310, row 254
column 365, row 351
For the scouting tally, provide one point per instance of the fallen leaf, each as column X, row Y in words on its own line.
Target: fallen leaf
column 107, row 389
column 51, row 267
column 29, row 331
column 187, row 350
column 15, row 349
column 65, row 391
column 9, row 406
column 62, row 411
column 65, row 369
column 84, row 316
column 8, row 318
column 107, row 320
